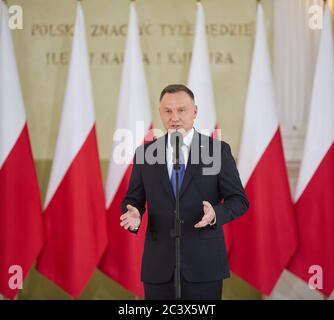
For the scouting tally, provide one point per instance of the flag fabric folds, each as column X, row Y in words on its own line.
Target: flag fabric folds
column 199, row 79
column 122, row 258
column 75, row 216
column 315, row 186
column 263, row 240
column 21, row 228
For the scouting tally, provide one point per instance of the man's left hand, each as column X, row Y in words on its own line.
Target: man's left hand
column 209, row 215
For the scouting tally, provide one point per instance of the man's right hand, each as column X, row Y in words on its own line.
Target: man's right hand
column 130, row 219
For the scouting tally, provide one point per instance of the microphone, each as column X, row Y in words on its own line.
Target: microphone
column 176, row 141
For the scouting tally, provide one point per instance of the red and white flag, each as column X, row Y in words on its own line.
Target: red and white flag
column 264, row 239
column 199, row 79
column 75, row 216
column 21, row 228
column 122, row 258
column 200, row 82
column 315, row 188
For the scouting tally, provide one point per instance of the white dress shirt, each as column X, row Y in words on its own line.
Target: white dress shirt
column 185, row 148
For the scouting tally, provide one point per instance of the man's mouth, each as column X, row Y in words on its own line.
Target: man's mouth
column 177, row 128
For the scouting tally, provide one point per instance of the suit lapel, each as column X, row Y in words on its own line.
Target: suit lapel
column 192, row 166
column 163, row 173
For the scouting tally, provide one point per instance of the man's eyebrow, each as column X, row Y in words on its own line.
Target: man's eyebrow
column 178, row 107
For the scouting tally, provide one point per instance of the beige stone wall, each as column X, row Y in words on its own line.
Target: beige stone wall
column 43, row 50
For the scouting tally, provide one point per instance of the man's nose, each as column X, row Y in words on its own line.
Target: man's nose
column 175, row 117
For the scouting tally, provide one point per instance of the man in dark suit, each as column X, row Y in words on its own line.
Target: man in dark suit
column 204, row 185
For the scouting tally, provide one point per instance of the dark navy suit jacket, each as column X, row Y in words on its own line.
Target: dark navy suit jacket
column 203, row 253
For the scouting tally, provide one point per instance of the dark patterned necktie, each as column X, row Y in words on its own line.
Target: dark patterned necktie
column 181, row 173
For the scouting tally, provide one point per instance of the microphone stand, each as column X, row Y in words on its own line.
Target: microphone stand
column 177, row 223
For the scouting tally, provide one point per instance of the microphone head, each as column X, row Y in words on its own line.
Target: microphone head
column 176, row 140
column 174, row 136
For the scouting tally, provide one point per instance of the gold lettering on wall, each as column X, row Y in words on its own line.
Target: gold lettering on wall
column 52, row 30
column 146, row 29
column 57, row 58
column 116, row 58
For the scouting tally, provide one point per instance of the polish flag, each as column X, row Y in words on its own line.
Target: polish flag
column 263, row 240
column 21, row 227
column 200, row 82
column 315, row 188
column 199, row 79
column 75, row 216
column 122, row 258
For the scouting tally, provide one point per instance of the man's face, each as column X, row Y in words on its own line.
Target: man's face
column 177, row 111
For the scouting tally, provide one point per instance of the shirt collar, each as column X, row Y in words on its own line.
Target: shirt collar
column 187, row 138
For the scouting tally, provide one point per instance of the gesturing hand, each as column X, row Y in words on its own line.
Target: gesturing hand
column 208, row 217
column 130, row 219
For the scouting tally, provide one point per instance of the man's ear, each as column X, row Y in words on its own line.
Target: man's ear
column 195, row 110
